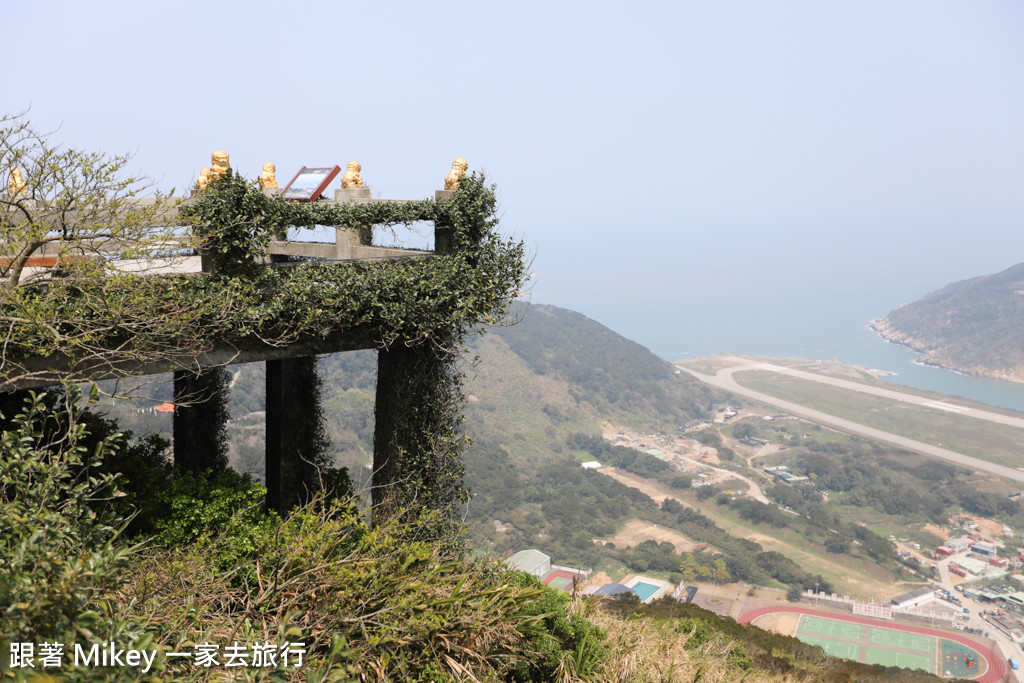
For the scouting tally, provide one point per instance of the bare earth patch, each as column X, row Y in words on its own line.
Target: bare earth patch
column 989, row 528
column 637, row 531
column 847, row 583
column 780, row 622
column 937, row 530
column 597, row 579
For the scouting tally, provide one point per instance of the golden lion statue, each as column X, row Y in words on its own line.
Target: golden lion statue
column 458, row 172
column 219, row 164
column 16, row 183
column 204, row 178
column 351, row 178
column 267, row 177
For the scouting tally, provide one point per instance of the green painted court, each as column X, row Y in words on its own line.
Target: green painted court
column 906, row 660
column 954, row 659
column 884, row 643
column 872, row 644
column 903, row 641
column 888, row 647
column 830, row 627
column 836, row 648
column 560, row 583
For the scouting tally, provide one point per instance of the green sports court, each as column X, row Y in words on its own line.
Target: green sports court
column 902, row 641
column 836, row 648
column 888, row 646
column 830, row 627
column 906, row 660
column 880, row 643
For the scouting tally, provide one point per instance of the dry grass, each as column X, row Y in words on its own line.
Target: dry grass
column 656, row 651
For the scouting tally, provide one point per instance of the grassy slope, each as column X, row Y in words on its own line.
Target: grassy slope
column 617, row 376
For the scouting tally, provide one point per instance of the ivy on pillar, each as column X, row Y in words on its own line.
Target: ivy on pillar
column 416, row 442
column 306, row 466
column 200, row 419
column 275, row 433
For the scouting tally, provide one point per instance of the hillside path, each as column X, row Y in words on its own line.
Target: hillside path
column 723, row 379
column 755, row 491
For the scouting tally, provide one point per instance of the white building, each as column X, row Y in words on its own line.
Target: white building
column 913, row 598
column 530, row 561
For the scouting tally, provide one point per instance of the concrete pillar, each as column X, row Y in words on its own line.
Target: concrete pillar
column 444, row 240
column 200, row 419
column 179, row 430
column 352, row 195
column 392, row 365
column 275, row 433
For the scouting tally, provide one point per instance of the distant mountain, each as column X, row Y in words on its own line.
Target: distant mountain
column 601, row 370
column 975, row 326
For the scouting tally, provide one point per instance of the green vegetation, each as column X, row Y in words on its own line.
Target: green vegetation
column 106, row 540
column 897, row 482
column 559, row 507
column 973, row 326
column 618, row 377
column 807, row 523
column 367, row 604
column 628, row 459
column 529, row 440
column 378, row 603
column 879, row 485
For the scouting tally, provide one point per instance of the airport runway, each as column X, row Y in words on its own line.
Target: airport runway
column 723, row 379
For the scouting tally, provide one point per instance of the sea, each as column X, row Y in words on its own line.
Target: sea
column 798, row 328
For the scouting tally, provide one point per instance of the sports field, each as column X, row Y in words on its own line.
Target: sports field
column 560, row 579
column 836, row 648
column 903, row 641
column 906, row 660
column 884, row 646
column 830, row 627
column 873, row 641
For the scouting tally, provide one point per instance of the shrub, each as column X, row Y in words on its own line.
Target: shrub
column 209, row 502
column 374, row 603
column 59, row 554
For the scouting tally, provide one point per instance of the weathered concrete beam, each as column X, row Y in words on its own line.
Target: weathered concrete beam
column 45, row 371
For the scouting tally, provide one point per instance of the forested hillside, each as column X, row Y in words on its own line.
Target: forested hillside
column 615, row 375
column 975, row 326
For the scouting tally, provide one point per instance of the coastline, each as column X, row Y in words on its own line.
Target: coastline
column 883, row 329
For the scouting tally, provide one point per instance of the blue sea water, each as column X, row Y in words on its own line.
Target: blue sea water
column 807, row 327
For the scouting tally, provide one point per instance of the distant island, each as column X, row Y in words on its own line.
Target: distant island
column 975, row 326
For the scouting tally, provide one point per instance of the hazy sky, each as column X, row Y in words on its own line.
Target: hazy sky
column 649, row 153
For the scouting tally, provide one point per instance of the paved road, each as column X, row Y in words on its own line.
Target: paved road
column 723, row 379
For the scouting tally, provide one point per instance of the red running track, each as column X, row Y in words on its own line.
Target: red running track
column 996, row 666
